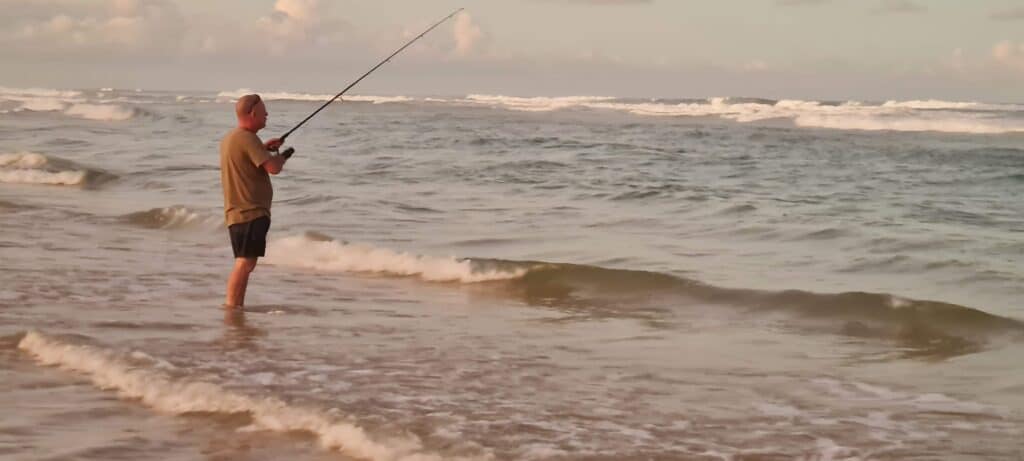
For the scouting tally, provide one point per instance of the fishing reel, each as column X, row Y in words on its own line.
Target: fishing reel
column 287, row 153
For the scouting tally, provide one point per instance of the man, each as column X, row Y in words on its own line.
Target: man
column 245, row 168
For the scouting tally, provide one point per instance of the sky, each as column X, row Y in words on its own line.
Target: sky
column 964, row 50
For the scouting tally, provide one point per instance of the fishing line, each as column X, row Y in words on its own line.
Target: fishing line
column 289, row 151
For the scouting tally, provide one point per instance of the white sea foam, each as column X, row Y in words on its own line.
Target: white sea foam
column 33, row 168
column 914, row 115
column 66, row 178
column 536, row 104
column 377, row 99
column 780, row 410
column 933, row 104
column 227, row 96
column 828, row 450
column 104, row 112
column 107, row 370
column 332, row 256
column 39, row 99
column 858, row 391
column 72, row 103
column 174, row 217
column 42, row 105
column 542, row 451
column 952, row 123
column 23, row 160
column 930, row 115
column 6, row 92
column 75, row 108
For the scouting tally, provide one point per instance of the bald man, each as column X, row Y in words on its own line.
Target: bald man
column 245, row 168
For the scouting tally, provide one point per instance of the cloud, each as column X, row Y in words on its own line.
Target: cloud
column 601, row 2
column 800, row 2
column 898, row 7
column 467, row 34
column 157, row 30
column 119, row 27
column 756, row 65
column 957, row 60
column 1009, row 55
column 291, row 29
column 299, row 10
column 299, row 24
column 1013, row 14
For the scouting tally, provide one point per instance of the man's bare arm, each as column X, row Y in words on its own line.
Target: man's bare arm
column 274, row 164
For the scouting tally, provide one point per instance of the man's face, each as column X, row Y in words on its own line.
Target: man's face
column 259, row 115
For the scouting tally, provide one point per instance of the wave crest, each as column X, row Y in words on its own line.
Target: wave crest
column 929, row 328
column 70, row 103
column 536, row 104
column 6, row 92
column 34, row 168
column 98, row 112
column 227, row 96
column 101, row 112
column 108, row 370
column 929, row 115
column 173, row 217
column 314, row 252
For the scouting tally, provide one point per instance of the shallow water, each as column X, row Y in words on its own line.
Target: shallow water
column 503, row 278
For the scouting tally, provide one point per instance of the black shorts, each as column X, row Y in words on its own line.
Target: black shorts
column 249, row 239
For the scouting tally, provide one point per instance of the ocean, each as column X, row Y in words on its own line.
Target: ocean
column 515, row 278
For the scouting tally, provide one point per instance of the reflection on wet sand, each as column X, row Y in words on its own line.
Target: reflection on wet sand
column 237, row 332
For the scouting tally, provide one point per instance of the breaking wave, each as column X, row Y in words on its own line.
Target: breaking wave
column 929, row 115
column 905, row 116
column 102, row 112
column 99, row 112
column 538, row 104
column 930, row 327
column 937, row 104
column 70, row 103
column 11, row 93
column 226, row 96
column 312, row 251
column 173, row 217
column 137, row 378
column 42, row 105
column 34, row 168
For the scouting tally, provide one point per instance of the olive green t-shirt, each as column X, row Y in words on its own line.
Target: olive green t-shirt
column 247, row 189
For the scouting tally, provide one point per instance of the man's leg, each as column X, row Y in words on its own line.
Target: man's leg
column 238, row 281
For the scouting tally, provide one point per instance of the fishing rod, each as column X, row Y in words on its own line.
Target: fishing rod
column 289, row 151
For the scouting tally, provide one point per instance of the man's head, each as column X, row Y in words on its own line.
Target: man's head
column 251, row 112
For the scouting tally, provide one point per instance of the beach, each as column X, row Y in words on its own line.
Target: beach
column 515, row 277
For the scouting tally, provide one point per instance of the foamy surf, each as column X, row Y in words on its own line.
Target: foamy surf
column 227, row 96
column 98, row 112
column 537, row 104
column 70, row 103
column 151, row 386
column 9, row 93
column 101, row 112
column 33, row 168
column 332, row 256
column 42, row 105
column 926, row 115
column 173, row 217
